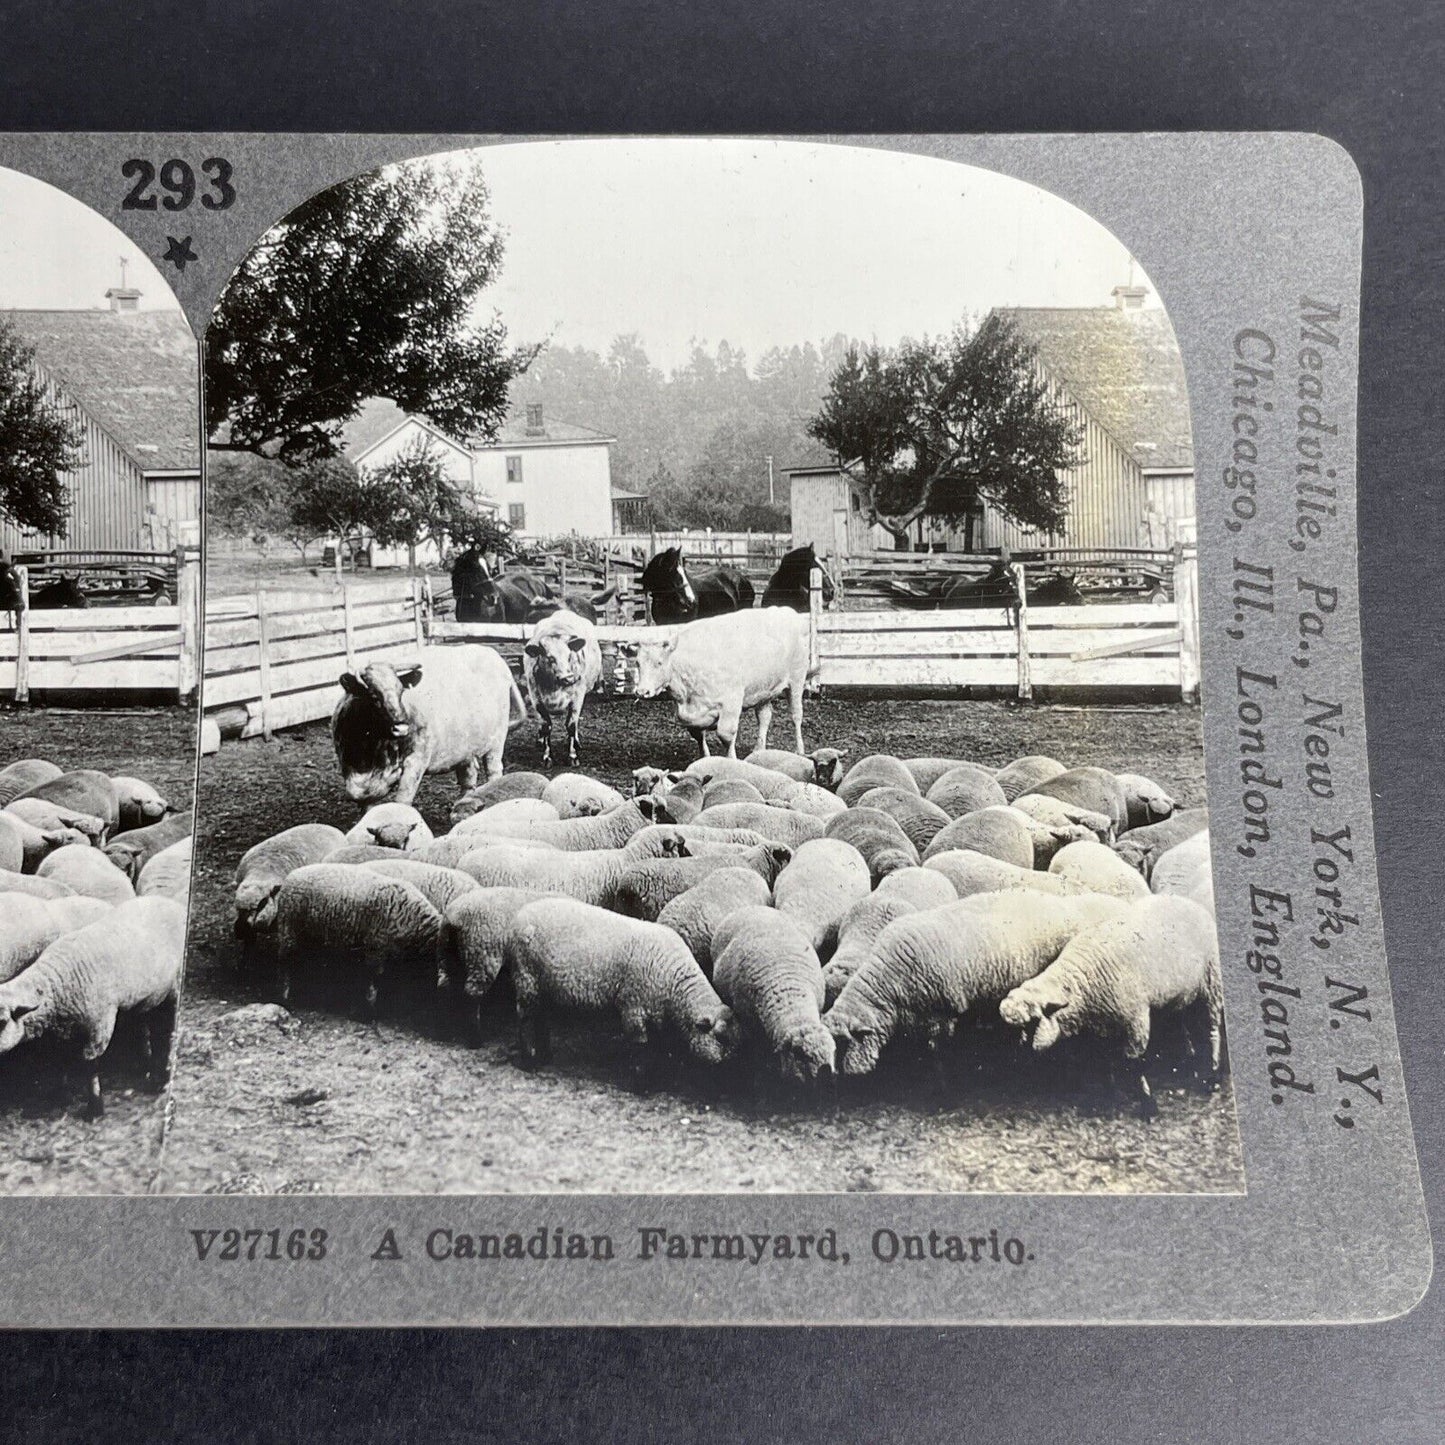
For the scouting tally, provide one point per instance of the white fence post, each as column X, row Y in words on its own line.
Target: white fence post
column 263, row 637
column 188, row 601
column 22, row 638
column 1021, row 632
column 1186, row 598
column 815, row 617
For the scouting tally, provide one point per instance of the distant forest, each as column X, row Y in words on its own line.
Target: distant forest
column 696, row 439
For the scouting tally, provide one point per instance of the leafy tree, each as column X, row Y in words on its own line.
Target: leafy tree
column 39, row 443
column 248, row 496
column 328, row 498
column 367, row 289
column 412, row 500
column 936, row 428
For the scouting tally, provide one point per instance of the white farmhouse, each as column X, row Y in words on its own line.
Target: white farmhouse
column 544, row 478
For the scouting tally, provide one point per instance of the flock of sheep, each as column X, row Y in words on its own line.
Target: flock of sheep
column 94, row 874
column 782, row 910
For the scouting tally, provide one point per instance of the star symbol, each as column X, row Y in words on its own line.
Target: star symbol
column 179, row 252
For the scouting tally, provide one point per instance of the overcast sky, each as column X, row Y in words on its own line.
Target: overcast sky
column 56, row 252
column 771, row 243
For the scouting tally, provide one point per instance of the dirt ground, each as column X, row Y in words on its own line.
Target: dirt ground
column 317, row 1101
column 47, row 1146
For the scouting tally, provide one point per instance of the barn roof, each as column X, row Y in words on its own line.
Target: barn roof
column 1122, row 365
column 134, row 372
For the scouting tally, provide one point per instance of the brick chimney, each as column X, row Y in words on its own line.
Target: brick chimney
column 1130, row 298
column 534, row 419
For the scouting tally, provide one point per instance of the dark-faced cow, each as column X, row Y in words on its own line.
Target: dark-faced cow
column 581, row 604
column 677, row 597
column 791, row 583
column 562, row 664
column 63, row 592
column 716, row 667
column 393, row 726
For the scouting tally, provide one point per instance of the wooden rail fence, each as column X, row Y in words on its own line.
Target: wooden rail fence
column 101, row 650
column 273, row 659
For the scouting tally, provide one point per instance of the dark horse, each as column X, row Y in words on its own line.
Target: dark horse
column 790, row 583
column 677, row 598
column 996, row 588
column 11, row 602
column 63, row 592
column 480, row 598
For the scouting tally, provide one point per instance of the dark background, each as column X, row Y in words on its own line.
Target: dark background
column 1367, row 75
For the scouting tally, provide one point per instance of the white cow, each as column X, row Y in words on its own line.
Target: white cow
column 716, row 667
column 562, row 663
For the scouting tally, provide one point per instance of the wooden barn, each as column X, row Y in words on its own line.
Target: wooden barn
column 130, row 377
column 1118, row 369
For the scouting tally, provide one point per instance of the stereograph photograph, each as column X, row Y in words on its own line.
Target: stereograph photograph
column 701, row 692
column 100, row 503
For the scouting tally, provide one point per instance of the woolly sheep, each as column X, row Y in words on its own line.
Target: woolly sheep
column 681, row 801
column 515, row 816
column 128, row 962
column 1159, row 955
column 877, row 770
column 22, row 775
column 824, row 880
column 1185, row 871
column 927, row 771
column 34, row 887
column 1142, row 848
column 919, row 818
column 392, row 825
column 770, row 976
column 878, row 837
column 85, row 790
column 353, row 918
column 138, row 804
column 607, row 830
column 696, row 916
column 993, row 831
column 167, row 874
column 264, row 867
column 823, row 766
column 1025, row 773
column 773, row 785
column 130, row 852
column 1099, row 869
column 859, row 928
column 1055, row 813
column 470, row 948
column 780, row 825
column 28, row 926
column 816, row 802
column 649, row 781
column 971, row 872
column 575, row 796
column 593, row 876
column 929, row 968
column 439, row 886
column 1096, row 789
column 1145, row 802
column 34, row 843
column 498, row 790
column 449, row 850
column 965, row 789
column 682, row 840
column 350, row 854
column 88, row 872
column 729, row 790
column 647, row 887
column 1047, row 838
column 565, row 954
column 51, row 817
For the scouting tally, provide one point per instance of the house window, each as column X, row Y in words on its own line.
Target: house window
column 534, row 417
column 857, row 503
column 516, row 515
column 514, row 469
